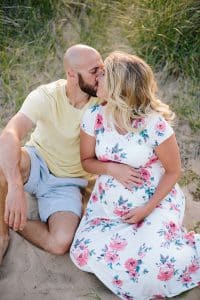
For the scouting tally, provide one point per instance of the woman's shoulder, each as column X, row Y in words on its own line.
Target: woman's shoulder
column 155, row 119
column 148, row 121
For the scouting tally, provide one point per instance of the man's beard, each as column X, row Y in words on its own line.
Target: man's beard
column 86, row 88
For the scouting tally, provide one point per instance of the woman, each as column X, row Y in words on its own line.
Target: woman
column 131, row 236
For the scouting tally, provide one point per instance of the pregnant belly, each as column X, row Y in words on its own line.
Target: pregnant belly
column 118, row 199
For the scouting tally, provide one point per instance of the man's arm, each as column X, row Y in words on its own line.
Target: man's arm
column 10, row 156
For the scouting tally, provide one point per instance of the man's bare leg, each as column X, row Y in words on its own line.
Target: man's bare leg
column 55, row 236
column 4, row 230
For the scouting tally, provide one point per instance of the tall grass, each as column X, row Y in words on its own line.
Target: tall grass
column 34, row 35
column 167, row 33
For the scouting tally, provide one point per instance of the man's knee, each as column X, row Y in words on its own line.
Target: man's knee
column 60, row 243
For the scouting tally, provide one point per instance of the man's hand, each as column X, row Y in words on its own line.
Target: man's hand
column 16, row 208
column 136, row 215
column 125, row 174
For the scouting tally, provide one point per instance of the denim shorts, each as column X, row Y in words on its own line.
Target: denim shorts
column 53, row 193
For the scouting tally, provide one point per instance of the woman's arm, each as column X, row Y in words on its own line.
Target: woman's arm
column 123, row 173
column 168, row 154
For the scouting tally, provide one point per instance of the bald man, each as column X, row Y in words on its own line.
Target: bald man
column 49, row 165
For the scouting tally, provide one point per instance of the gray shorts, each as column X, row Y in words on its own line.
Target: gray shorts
column 53, row 193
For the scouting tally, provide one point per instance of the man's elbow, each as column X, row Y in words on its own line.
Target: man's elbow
column 6, row 135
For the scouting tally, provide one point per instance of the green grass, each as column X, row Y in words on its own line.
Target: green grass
column 35, row 34
column 166, row 33
column 188, row 177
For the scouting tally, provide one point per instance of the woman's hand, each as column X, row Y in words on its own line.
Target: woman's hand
column 125, row 174
column 136, row 215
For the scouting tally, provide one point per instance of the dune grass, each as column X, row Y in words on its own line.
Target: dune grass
column 34, row 35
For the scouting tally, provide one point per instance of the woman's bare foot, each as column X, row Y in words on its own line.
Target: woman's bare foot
column 4, row 242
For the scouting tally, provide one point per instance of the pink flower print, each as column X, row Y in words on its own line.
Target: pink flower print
column 138, row 122
column 165, row 273
column 96, row 221
column 173, row 227
column 159, row 205
column 111, row 257
column 94, row 197
column 100, row 187
column 138, row 225
column 118, row 244
column 81, row 257
column 193, row 268
column 117, row 282
column 133, row 273
column 98, row 122
column 186, row 278
column 173, row 192
column 168, row 236
column 131, row 264
column 189, row 236
column 145, row 174
column 160, row 126
column 121, row 211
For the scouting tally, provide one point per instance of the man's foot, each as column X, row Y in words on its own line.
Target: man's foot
column 4, row 241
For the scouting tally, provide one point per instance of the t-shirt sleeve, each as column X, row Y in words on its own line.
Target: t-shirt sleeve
column 89, row 120
column 34, row 105
column 159, row 130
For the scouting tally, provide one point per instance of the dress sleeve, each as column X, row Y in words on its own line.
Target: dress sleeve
column 89, row 120
column 159, row 130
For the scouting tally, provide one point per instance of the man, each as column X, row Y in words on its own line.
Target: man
column 49, row 165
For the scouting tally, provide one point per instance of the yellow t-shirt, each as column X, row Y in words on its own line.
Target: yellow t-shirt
column 56, row 135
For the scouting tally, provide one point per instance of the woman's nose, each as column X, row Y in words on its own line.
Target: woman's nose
column 99, row 74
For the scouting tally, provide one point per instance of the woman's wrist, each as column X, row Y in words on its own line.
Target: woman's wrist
column 108, row 168
column 151, row 205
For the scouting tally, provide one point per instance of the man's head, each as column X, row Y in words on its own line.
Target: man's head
column 82, row 65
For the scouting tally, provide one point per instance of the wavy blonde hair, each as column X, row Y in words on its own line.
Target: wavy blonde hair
column 131, row 91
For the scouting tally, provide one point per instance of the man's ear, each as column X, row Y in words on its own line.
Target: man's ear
column 71, row 73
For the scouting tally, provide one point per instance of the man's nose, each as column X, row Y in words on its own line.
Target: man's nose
column 97, row 76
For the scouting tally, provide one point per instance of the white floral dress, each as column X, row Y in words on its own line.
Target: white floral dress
column 155, row 258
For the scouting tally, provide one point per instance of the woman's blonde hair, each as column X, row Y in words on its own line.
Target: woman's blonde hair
column 131, row 90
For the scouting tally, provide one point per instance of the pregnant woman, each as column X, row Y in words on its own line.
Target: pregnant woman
column 131, row 235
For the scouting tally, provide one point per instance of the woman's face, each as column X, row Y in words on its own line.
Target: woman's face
column 102, row 92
